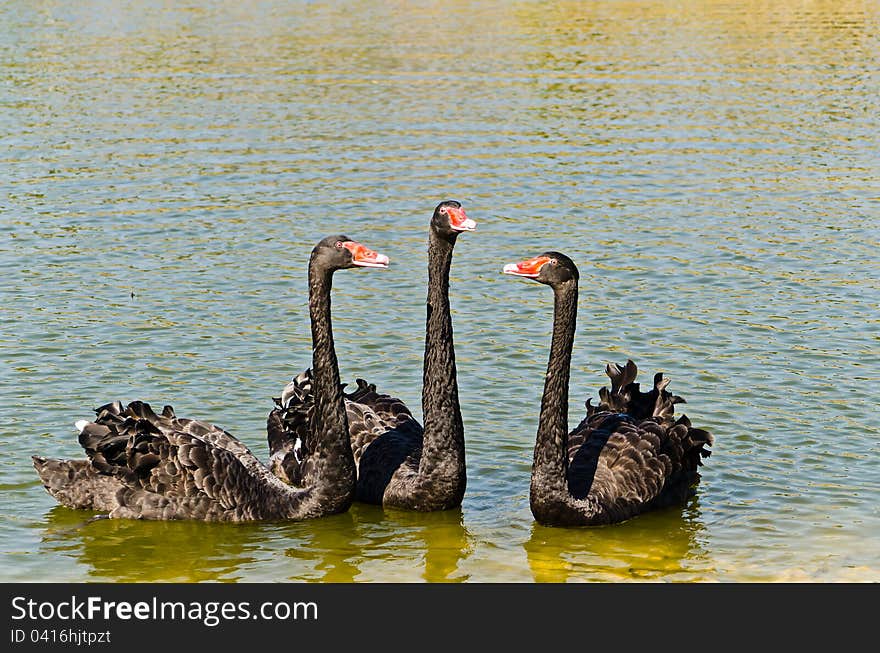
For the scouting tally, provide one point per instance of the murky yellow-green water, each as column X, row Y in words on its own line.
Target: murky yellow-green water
column 712, row 167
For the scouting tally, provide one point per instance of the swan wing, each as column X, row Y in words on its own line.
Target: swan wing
column 370, row 416
column 390, row 410
column 176, row 468
column 289, row 428
column 629, row 453
column 627, row 466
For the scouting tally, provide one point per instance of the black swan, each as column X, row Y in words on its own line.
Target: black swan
column 400, row 463
column 146, row 466
column 628, row 455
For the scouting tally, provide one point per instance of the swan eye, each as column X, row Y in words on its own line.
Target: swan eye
column 553, row 261
column 443, row 210
column 338, row 244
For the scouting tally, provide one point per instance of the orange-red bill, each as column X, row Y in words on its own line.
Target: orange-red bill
column 364, row 257
column 458, row 220
column 530, row 268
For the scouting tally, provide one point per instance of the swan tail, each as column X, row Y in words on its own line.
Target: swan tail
column 77, row 484
column 94, row 483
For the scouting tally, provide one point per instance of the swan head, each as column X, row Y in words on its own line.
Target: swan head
column 341, row 252
column 449, row 219
column 551, row 268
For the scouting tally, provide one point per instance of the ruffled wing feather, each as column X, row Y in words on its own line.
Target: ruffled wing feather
column 177, row 468
column 629, row 454
column 371, row 416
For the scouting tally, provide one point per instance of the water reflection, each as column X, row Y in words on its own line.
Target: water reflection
column 153, row 551
column 372, row 544
column 366, row 543
column 443, row 538
column 667, row 545
column 324, row 553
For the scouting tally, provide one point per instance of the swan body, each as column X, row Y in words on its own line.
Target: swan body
column 145, row 465
column 628, row 455
column 400, row 462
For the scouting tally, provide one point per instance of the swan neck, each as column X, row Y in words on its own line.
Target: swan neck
column 333, row 472
column 443, row 447
column 550, row 460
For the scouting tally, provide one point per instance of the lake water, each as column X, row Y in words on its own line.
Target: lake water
column 712, row 167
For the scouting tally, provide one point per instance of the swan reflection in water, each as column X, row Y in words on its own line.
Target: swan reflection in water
column 365, row 544
column 381, row 546
column 371, row 544
column 125, row 550
column 668, row 544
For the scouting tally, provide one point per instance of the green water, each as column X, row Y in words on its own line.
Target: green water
column 711, row 166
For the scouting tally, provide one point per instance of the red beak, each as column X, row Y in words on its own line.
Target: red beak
column 459, row 221
column 364, row 257
column 530, row 268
